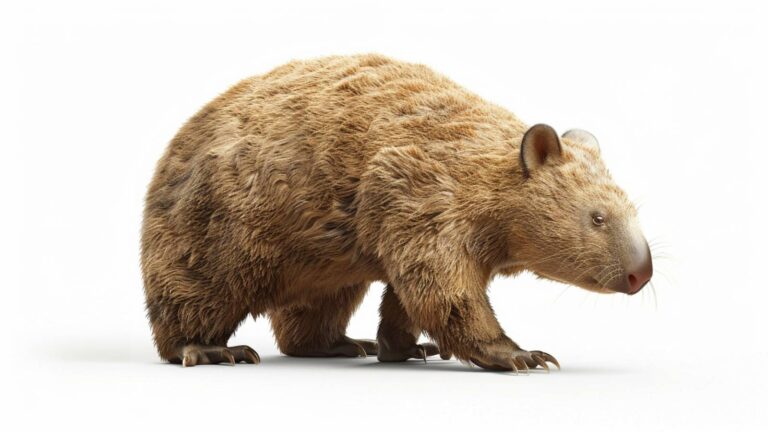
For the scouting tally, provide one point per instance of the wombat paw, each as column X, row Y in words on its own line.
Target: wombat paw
column 419, row 351
column 344, row 347
column 349, row 347
column 515, row 360
column 193, row 355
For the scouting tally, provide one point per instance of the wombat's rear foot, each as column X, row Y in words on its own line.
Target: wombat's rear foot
column 192, row 355
column 507, row 356
column 414, row 351
column 344, row 347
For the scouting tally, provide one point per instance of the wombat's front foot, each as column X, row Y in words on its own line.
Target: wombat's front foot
column 505, row 355
column 192, row 355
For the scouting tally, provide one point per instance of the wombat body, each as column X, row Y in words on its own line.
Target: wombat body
column 290, row 193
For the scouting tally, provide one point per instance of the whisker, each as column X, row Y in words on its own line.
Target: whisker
column 655, row 300
column 610, row 277
column 561, row 293
column 666, row 276
column 598, row 275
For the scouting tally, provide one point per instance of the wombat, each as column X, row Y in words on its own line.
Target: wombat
column 290, row 193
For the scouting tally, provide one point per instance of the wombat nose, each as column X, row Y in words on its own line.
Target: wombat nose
column 639, row 273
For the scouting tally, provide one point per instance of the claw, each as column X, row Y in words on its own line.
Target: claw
column 552, row 360
column 521, row 364
column 370, row 346
column 547, row 357
column 228, row 355
column 361, row 351
column 251, row 356
column 188, row 360
column 423, row 353
column 541, row 362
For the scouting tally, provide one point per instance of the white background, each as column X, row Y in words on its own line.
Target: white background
column 92, row 93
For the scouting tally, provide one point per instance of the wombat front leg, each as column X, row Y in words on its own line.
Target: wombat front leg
column 453, row 308
column 473, row 328
column 398, row 335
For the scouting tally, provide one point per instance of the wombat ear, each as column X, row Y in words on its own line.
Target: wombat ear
column 583, row 137
column 540, row 144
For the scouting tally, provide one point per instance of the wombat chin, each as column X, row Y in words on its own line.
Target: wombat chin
column 588, row 284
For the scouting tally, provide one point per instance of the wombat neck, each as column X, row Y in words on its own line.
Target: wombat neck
column 497, row 239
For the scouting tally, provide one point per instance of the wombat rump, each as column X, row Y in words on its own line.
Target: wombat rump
column 290, row 193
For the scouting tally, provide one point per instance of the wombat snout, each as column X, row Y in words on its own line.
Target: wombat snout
column 639, row 272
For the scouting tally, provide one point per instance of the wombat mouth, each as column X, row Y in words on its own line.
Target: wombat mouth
column 595, row 286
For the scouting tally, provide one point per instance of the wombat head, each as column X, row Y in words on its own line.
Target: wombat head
column 582, row 229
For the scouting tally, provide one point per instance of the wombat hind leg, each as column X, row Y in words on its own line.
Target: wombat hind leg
column 193, row 355
column 318, row 329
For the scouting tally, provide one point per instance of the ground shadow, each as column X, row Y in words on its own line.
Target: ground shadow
column 437, row 364
column 100, row 352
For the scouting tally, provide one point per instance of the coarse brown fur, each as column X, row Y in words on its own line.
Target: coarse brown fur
column 290, row 193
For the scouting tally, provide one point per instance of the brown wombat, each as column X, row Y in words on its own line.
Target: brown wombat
column 293, row 191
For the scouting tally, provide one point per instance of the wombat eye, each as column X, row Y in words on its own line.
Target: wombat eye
column 598, row 220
